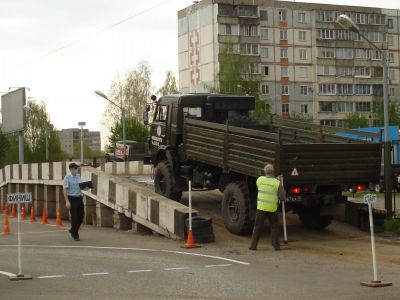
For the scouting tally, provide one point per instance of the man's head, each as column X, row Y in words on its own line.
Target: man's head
column 269, row 170
column 73, row 168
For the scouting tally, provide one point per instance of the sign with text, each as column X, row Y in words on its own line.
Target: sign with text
column 19, row 198
column 369, row 198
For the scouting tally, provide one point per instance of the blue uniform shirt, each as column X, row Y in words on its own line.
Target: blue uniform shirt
column 71, row 183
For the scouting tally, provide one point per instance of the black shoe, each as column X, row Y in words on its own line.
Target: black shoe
column 72, row 235
column 77, row 238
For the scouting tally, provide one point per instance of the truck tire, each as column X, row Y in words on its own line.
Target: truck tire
column 235, row 208
column 313, row 220
column 164, row 181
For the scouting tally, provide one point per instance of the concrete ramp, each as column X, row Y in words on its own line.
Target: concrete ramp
column 111, row 198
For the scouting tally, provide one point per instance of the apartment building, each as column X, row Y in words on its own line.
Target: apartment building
column 306, row 62
column 71, row 137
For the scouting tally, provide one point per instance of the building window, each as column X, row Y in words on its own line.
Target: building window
column 303, row 72
column 362, row 53
column 302, row 36
column 390, row 23
column 344, row 53
column 226, row 10
column 376, row 55
column 264, row 52
column 344, row 71
column 230, row 48
column 284, row 53
column 327, row 88
column 304, row 90
column 391, row 75
column 304, row 108
column 228, row 29
column 285, row 108
column 263, row 15
column 362, row 89
column 326, row 52
column 264, row 89
column 326, row 70
column 377, row 19
column 342, row 123
column 251, row 68
column 282, row 15
column 391, row 57
column 345, row 107
column 302, row 17
column 303, row 54
column 247, row 11
column 283, row 35
column 328, row 123
column 344, row 35
column 264, row 33
column 248, row 30
column 392, row 92
column 363, row 107
column 285, row 90
column 361, row 18
column 265, row 70
column 390, row 40
column 325, row 34
column 249, row 49
column 362, row 71
column 344, row 89
column 284, row 72
column 325, row 16
column 326, row 106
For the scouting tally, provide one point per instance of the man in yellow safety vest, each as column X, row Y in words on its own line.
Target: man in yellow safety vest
column 270, row 191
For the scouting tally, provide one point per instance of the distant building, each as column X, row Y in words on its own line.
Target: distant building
column 307, row 63
column 72, row 136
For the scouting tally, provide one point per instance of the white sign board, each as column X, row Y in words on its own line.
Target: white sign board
column 19, row 198
column 120, row 152
column 12, row 111
column 369, row 198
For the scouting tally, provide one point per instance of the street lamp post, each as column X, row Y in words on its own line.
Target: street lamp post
column 81, row 124
column 347, row 23
column 102, row 95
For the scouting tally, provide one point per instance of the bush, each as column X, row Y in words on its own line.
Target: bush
column 393, row 225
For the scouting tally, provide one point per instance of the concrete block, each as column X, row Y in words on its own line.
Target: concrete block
column 139, row 228
column 60, row 203
column 50, row 200
column 122, row 222
column 90, row 211
column 104, row 216
column 339, row 212
column 38, row 199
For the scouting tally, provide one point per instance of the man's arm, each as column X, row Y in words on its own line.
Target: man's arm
column 65, row 192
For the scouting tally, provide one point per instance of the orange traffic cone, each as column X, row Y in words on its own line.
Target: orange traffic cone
column 58, row 218
column 190, row 243
column 33, row 217
column 6, row 227
column 13, row 211
column 23, row 213
column 6, row 208
column 44, row 216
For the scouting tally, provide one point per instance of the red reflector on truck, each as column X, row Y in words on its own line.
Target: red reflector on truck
column 360, row 188
column 295, row 190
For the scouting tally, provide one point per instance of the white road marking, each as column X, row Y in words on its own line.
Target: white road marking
column 214, row 266
column 134, row 249
column 7, row 274
column 173, row 269
column 139, row 271
column 48, row 231
column 95, row 274
column 51, row 276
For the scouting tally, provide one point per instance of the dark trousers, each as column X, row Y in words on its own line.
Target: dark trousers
column 259, row 224
column 77, row 212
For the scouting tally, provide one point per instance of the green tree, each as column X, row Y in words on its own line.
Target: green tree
column 4, row 148
column 87, row 152
column 394, row 116
column 170, row 85
column 356, row 120
column 135, row 131
column 301, row 117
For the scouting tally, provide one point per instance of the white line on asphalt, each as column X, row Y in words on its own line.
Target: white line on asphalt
column 7, row 274
column 214, row 266
column 173, row 269
column 51, row 276
column 139, row 271
column 95, row 274
column 48, row 231
column 135, row 249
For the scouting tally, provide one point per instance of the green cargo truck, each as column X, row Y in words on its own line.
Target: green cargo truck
column 213, row 141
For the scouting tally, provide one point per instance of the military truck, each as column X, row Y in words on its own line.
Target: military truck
column 214, row 141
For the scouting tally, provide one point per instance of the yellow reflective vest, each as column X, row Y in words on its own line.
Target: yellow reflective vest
column 267, row 199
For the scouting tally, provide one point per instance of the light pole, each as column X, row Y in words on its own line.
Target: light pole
column 81, row 124
column 102, row 95
column 46, row 130
column 347, row 23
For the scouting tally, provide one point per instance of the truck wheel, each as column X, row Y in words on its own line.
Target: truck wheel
column 236, row 208
column 164, row 181
column 312, row 219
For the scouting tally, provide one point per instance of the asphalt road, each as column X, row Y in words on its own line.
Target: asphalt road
column 109, row 264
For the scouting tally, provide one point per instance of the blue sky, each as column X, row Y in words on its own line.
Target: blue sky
column 66, row 79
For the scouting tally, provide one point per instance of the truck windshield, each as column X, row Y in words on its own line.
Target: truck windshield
column 162, row 113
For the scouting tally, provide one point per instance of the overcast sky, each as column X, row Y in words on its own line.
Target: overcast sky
column 66, row 79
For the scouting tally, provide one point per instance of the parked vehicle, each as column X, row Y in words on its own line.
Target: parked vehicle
column 213, row 141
